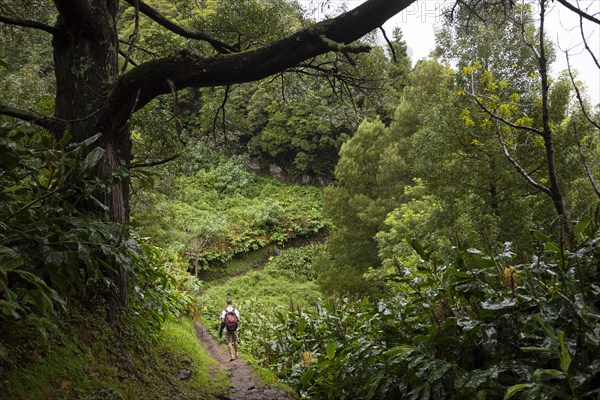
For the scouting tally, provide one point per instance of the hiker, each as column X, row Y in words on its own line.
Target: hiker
column 229, row 319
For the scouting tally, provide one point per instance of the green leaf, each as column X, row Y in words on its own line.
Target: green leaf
column 530, row 349
column 91, row 160
column 552, row 246
column 417, row 246
column 511, row 391
column 541, row 237
column 506, row 303
column 581, row 225
column 330, row 349
column 91, row 140
column 302, row 325
column 549, row 333
column 565, row 357
column 3, row 63
column 307, row 377
column 542, row 374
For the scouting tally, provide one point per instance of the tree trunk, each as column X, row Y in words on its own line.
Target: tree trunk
column 556, row 192
column 86, row 66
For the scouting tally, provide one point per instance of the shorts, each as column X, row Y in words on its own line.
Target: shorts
column 231, row 336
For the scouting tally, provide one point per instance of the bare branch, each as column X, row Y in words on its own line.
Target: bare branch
column 139, row 48
column 173, row 27
column 578, row 93
column 221, row 107
column 133, row 37
column 154, row 163
column 579, row 12
column 389, row 44
column 37, row 119
column 176, row 111
column 585, row 43
column 127, row 59
column 518, row 167
column 588, row 171
column 29, row 24
column 524, row 38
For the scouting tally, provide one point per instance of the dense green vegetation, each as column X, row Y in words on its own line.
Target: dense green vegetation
column 449, row 250
column 217, row 210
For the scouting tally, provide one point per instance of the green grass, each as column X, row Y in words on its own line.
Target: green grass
column 178, row 337
column 287, row 279
column 236, row 267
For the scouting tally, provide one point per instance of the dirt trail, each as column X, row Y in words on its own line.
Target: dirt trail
column 243, row 384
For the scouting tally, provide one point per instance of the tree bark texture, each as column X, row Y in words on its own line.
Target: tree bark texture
column 86, row 66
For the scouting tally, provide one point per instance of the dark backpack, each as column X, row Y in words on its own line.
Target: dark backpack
column 230, row 321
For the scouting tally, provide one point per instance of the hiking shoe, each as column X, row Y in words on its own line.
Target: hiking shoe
column 237, row 355
column 232, row 359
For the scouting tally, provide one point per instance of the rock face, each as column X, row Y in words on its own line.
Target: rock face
column 305, row 179
column 254, row 165
column 184, row 374
column 275, row 170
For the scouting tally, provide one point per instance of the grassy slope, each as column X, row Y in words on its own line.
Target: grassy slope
column 85, row 362
column 285, row 280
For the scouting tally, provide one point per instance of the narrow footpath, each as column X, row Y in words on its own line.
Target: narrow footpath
column 243, row 384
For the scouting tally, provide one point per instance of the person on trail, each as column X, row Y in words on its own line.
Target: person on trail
column 229, row 319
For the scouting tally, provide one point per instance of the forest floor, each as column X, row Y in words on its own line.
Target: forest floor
column 244, row 384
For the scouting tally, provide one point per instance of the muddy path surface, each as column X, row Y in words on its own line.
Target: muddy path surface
column 244, row 386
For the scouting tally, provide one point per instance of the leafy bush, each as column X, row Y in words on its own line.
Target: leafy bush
column 475, row 327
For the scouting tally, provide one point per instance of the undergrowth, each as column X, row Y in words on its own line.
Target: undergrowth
column 217, row 210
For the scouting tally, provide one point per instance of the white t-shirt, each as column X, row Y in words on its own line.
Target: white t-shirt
column 229, row 308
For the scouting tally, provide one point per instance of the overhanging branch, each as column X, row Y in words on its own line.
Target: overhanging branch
column 173, row 27
column 37, row 119
column 28, row 24
column 579, row 12
column 190, row 70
